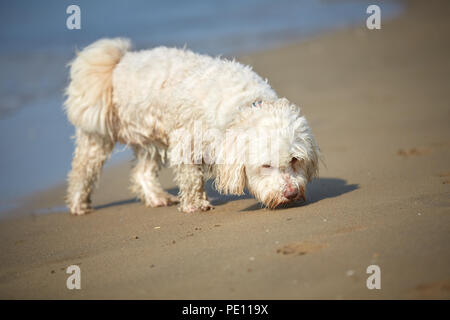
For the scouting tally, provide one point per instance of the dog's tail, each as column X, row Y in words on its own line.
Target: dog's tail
column 89, row 94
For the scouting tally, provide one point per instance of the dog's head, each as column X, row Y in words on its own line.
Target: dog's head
column 271, row 151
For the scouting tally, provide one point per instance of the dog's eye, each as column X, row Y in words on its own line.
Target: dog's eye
column 267, row 166
column 295, row 163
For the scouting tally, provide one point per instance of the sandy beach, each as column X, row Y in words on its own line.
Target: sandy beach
column 378, row 105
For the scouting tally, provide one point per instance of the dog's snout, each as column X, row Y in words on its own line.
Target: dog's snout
column 290, row 193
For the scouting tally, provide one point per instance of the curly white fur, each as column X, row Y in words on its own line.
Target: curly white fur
column 162, row 99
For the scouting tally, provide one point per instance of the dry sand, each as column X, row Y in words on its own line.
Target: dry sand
column 378, row 103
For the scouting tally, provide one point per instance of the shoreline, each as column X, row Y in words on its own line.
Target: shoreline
column 377, row 102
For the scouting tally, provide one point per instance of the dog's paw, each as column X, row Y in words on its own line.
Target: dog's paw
column 201, row 205
column 162, row 199
column 80, row 209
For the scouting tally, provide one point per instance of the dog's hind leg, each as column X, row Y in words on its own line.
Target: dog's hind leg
column 189, row 178
column 92, row 150
column 144, row 178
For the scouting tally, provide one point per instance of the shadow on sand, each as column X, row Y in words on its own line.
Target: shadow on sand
column 318, row 190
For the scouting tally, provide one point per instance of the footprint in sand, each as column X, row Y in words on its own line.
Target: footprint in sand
column 406, row 153
column 446, row 177
column 439, row 290
column 349, row 229
column 300, row 248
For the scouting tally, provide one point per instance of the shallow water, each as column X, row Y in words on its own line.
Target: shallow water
column 36, row 46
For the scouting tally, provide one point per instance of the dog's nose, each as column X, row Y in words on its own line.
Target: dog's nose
column 290, row 193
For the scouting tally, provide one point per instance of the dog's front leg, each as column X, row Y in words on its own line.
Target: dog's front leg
column 190, row 180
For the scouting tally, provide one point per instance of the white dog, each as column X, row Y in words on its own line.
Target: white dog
column 164, row 101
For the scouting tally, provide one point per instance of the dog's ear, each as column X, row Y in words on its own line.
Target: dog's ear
column 311, row 162
column 313, row 165
column 230, row 178
column 229, row 168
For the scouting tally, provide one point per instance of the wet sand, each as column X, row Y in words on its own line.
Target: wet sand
column 378, row 104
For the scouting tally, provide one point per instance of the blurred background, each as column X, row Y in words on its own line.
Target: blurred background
column 35, row 136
